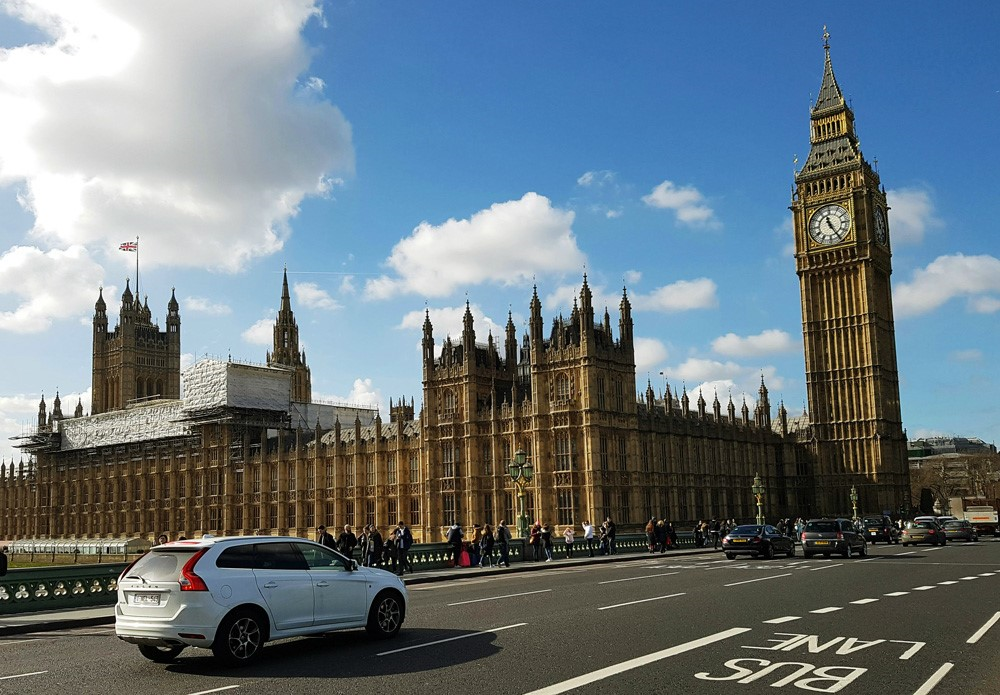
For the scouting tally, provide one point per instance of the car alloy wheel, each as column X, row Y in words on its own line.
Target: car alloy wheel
column 769, row 553
column 864, row 550
column 791, row 550
column 161, row 655
column 730, row 556
column 240, row 638
column 848, row 553
column 386, row 615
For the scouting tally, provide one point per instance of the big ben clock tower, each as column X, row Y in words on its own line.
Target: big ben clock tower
column 843, row 259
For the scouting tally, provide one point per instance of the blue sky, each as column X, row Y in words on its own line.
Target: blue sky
column 398, row 157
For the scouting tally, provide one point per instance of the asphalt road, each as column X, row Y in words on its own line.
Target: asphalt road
column 903, row 620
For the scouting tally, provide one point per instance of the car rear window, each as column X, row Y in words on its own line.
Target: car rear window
column 954, row 524
column 746, row 530
column 921, row 524
column 872, row 521
column 161, row 565
column 822, row 526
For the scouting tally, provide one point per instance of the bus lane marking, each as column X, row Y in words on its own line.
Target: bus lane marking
column 450, row 639
column 759, row 579
column 982, row 631
column 934, row 679
column 986, row 574
column 637, row 662
column 632, row 579
column 946, row 583
column 644, row 600
column 965, row 579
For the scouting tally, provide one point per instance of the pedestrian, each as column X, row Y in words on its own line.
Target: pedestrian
column 477, row 537
column 503, row 543
column 604, row 540
column 486, row 546
column 568, row 535
column 324, row 538
column 3, row 561
column 699, row 534
column 671, row 536
column 347, row 542
column 612, row 534
column 363, row 545
column 660, row 535
column 454, row 539
column 545, row 536
column 715, row 528
column 161, row 539
column 375, row 544
column 404, row 540
column 651, row 535
column 390, row 552
column 534, row 540
column 588, row 536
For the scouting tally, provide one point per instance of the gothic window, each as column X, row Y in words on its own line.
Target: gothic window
column 644, row 457
column 449, row 403
column 349, row 474
column 414, row 512
column 647, row 498
column 600, row 393
column 488, row 509
column 369, row 512
column 508, row 506
column 349, row 512
column 565, row 452
column 310, row 516
column 255, row 517
column 329, row 474
column 182, row 486
column 487, row 452
column 256, row 479
column 619, row 395
column 564, row 389
column 449, row 508
column 602, row 452
column 290, row 516
column 623, row 508
column 448, row 461
column 370, row 471
column 290, row 474
column 414, row 467
column 310, row 477
column 390, row 469
column 273, row 473
column 605, row 506
column 198, row 483
column 272, row 516
column 238, row 482
column 213, row 519
column 215, row 483
column 392, row 509
column 622, row 454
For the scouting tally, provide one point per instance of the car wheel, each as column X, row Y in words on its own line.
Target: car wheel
column 769, row 552
column 791, row 550
column 161, row 655
column 864, row 550
column 730, row 556
column 240, row 637
column 386, row 615
column 848, row 552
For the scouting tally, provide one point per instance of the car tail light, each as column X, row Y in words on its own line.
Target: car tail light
column 930, row 532
column 840, row 535
column 803, row 539
column 757, row 539
column 190, row 581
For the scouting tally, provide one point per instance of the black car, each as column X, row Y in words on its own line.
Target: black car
column 757, row 541
column 829, row 536
column 879, row 529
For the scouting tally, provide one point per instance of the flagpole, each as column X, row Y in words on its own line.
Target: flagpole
column 137, row 296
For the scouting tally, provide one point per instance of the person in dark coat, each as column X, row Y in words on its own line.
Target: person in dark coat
column 324, row 538
column 347, row 542
column 404, row 539
column 374, row 547
column 454, row 539
column 486, row 546
column 503, row 543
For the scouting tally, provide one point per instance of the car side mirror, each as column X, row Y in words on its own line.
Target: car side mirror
column 354, row 566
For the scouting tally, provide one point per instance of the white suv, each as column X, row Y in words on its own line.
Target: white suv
column 234, row 594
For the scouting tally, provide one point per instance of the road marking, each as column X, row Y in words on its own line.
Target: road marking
column 761, row 579
column 986, row 574
column 609, row 671
column 897, row 593
column 22, row 675
column 922, row 588
column 4, row 643
column 947, row 583
column 497, row 598
column 826, row 567
column 908, row 552
column 645, row 600
column 828, row 609
column 868, row 559
column 214, row 690
column 632, row 579
column 965, row 579
column 933, row 680
column 785, row 619
column 982, row 631
column 450, row 639
column 861, row 602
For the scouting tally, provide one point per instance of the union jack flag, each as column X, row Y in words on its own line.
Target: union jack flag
column 129, row 246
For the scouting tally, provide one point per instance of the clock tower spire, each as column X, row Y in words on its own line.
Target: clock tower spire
column 844, row 263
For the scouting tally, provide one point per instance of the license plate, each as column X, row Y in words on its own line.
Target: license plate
column 872, row 531
column 821, row 542
column 146, row 599
column 739, row 540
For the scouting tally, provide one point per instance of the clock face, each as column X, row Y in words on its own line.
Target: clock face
column 881, row 230
column 830, row 224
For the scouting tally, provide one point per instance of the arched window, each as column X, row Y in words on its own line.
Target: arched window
column 449, row 402
column 564, row 388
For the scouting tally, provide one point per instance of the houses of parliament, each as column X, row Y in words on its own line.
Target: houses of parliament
column 247, row 451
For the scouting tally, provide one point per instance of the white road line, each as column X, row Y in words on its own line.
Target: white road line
column 826, row 567
column 632, row 579
column 214, row 690
column 861, row 602
column 497, row 598
column 785, row 619
column 908, row 552
column 762, row 579
column 986, row 574
column 982, row 631
column 946, row 583
column 965, row 579
column 450, row 639
column 868, row 559
column 897, row 593
column 4, row 643
column 644, row 600
column 828, row 609
column 933, row 680
column 922, row 588
column 22, row 675
column 609, row 671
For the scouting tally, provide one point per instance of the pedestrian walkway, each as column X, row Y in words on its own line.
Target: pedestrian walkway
column 47, row 621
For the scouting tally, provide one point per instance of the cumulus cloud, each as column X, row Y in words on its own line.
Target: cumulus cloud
column 362, row 393
column 193, row 125
column 687, row 203
column 911, row 214
column 507, row 243
column 649, row 352
column 261, row 333
column 683, row 295
column 309, row 294
column 725, row 377
column 201, row 305
column 949, row 277
column 768, row 342
column 46, row 286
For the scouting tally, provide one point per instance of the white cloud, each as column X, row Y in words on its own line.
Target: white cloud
column 683, row 295
column 632, row 277
column 970, row 355
column 185, row 123
column 948, row 277
column 649, row 353
column 310, row 295
column 911, row 214
column 47, row 286
column 726, row 377
column 449, row 321
column 201, row 305
column 507, row 243
column 686, row 202
column 362, row 393
column 347, row 285
column 599, row 178
column 765, row 343
column 261, row 333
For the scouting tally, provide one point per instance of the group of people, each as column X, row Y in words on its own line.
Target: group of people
column 712, row 532
column 485, row 546
column 391, row 552
column 660, row 535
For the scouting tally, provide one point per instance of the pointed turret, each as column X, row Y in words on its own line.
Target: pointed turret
column 535, row 322
column 510, row 343
column 79, row 408
column 762, row 413
column 285, row 352
column 468, row 335
column 57, row 407
column 42, row 416
column 427, row 343
column 625, row 319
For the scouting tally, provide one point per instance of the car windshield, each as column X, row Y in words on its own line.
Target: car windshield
column 745, row 531
column 822, row 526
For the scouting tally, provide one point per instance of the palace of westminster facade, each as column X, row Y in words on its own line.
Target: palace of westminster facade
column 246, row 451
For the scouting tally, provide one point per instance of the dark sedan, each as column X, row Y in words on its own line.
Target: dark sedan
column 960, row 530
column 757, row 541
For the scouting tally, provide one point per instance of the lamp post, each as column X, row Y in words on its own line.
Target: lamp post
column 854, row 502
column 758, row 492
column 521, row 471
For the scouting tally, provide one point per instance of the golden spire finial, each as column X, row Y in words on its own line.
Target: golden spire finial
column 826, row 38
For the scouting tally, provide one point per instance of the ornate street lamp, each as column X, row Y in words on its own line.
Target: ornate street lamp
column 854, row 502
column 758, row 492
column 521, row 471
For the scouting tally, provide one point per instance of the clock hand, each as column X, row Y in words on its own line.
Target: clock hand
column 829, row 224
